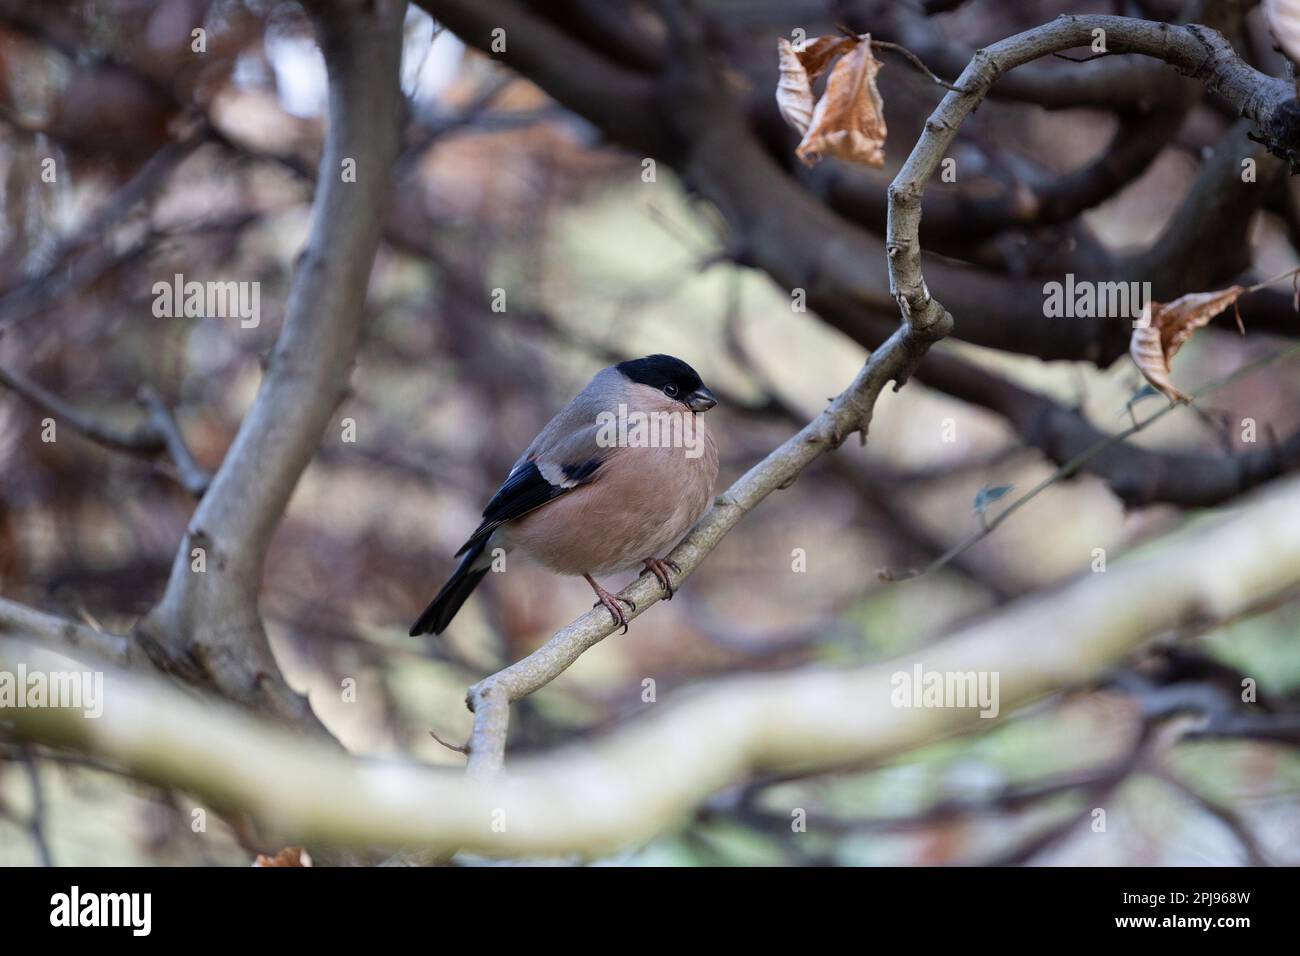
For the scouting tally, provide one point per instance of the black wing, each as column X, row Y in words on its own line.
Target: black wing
column 524, row 491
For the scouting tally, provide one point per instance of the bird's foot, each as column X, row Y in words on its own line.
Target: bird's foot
column 660, row 568
column 611, row 602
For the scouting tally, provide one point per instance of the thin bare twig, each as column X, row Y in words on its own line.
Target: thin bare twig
column 1070, row 467
column 918, row 63
column 458, row 748
column 192, row 476
column 36, row 821
column 140, row 439
column 156, row 434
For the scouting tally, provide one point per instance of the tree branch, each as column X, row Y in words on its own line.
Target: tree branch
column 1196, row 51
column 849, row 412
column 192, row 476
column 18, row 618
column 708, row 135
column 649, row 775
column 206, row 627
column 157, row 433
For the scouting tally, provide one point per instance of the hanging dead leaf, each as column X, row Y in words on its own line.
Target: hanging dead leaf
column 848, row 121
column 799, row 70
column 1154, row 345
column 289, row 856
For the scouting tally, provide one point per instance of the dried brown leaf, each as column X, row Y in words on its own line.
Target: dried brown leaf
column 848, row 121
column 1171, row 324
column 289, row 856
column 799, row 70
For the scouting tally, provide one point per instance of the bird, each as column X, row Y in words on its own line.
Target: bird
column 614, row 480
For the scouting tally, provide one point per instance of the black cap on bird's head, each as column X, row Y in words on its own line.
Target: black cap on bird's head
column 671, row 376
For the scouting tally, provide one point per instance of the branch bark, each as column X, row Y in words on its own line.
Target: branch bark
column 207, row 627
column 1196, row 51
column 648, row 776
column 20, row 619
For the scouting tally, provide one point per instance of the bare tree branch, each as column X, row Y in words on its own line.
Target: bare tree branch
column 851, row 411
column 18, row 618
column 193, row 477
column 1077, row 463
column 650, row 775
column 141, row 439
column 207, row 626
column 157, row 433
column 926, row 320
column 1196, row 51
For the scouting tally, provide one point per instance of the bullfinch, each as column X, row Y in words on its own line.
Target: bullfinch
column 615, row 479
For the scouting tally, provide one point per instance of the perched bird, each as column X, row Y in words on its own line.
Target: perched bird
column 615, row 479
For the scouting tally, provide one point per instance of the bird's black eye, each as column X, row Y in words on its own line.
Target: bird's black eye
column 670, row 390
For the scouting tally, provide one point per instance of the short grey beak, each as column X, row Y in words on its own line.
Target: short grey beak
column 700, row 400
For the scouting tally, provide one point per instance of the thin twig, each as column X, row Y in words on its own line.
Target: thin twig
column 1228, row 817
column 1078, row 461
column 158, row 433
column 140, row 439
column 919, row 64
column 36, row 821
column 1082, row 59
column 459, row 748
column 192, row 476
column 915, row 60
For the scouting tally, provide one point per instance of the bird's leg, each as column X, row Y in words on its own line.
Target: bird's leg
column 611, row 603
column 660, row 567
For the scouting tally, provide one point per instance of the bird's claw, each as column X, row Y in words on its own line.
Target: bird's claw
column 610, row 601
column 660, row 568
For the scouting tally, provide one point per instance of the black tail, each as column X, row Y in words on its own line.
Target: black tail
column 454, row 593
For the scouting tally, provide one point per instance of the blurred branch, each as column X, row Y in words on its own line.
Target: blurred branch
column 143, row 438
column 617, row 99
column 1255, row 855
column 1100, row 788
column 191, row 475
column 646, row 777
column 158, row 433
column 779, row 227
column 1137, row 476
column 207, row 628
column 1072, row 467
column 65, row 270
column 963, row 213
column 19, row 618
column 36, row 821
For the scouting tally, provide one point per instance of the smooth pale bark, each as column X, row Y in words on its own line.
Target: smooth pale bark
column 207, row 627
column 636, row 782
